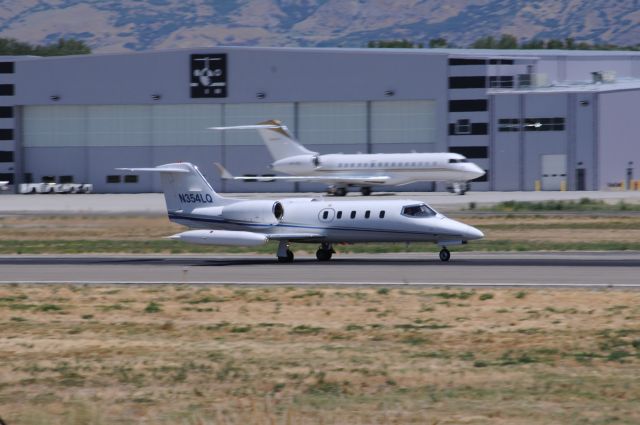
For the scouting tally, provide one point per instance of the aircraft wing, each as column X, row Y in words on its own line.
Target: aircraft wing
column 295, row 236
column 330, row 179
column 156, row 170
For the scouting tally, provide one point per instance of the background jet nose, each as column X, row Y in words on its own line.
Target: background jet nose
column 479, row 171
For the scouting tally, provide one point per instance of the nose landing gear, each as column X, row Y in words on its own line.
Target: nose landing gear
column 445, row 255
column 458, row 188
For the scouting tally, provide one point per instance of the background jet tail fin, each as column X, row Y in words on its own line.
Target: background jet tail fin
column 276, row 136
column 184, row 187
column 224, row 173
column 280, row 141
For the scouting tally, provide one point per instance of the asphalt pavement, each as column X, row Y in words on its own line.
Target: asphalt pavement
column 539, row 269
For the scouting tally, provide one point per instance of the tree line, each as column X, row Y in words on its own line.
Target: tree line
column 506, row 41
column 63, row 47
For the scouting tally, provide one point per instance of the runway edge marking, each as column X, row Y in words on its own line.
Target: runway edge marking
column 326, row 283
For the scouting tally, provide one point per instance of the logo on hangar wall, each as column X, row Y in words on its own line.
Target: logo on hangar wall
column 209, row 75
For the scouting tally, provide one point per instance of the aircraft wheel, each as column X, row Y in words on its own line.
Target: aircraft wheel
column 366, row 191
column 323, row 254
column 445, row 255
column 287, row 259
column 340, row 191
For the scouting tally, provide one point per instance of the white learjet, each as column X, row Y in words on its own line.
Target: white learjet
column 217, row 220
column 364, row 170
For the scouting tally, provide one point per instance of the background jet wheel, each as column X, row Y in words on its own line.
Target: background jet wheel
column 287, row 259
column 366, row 191
column 340, row 191
column 323, row 255
column 445, row 255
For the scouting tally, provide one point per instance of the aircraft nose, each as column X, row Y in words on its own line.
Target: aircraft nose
column 472, row 233
column 467, row 232
column 477, row 171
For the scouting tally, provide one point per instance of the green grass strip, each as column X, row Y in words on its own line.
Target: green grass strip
column 173, row 247
column 584, row 204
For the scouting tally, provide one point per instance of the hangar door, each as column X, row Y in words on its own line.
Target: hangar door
column 554, row 171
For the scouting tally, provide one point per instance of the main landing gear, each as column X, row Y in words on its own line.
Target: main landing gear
column 284, row 253
column 342, row 190
column 337, row 190
column 445, row 255
column 325, row 252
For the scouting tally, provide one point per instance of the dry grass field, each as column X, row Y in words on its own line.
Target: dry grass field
column 281, row 355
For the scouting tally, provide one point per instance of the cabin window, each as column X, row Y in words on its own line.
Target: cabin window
column 386, row 164
column 418, row 210
column 339, row 215
column 381, row 215
column 367, row 214
column 353, row 214
column 325, row 215
column 413, row 164
column 393, row 164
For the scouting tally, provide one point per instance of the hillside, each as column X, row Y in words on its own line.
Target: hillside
column 112, row 26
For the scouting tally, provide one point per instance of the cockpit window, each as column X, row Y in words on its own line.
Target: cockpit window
column 419, row 210
column 455, row 161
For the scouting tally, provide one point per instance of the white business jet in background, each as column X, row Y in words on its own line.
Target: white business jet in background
column 217, row 220
column 364, row 170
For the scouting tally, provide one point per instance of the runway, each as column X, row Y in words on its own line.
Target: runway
column 543, row 269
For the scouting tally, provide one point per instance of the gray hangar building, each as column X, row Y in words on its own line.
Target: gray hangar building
column 535, row 120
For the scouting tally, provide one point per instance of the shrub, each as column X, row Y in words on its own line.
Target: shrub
column 152, row 307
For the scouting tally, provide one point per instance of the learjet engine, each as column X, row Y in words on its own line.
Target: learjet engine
column 264, row 212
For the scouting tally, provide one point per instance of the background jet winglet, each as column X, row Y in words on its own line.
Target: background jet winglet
column 224, row 173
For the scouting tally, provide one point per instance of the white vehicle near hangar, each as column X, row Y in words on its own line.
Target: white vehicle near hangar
column 217, row 220
column 342, row 171
column 51, row 187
